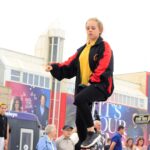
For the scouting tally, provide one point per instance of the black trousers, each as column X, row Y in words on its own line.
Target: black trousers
column 83, row 101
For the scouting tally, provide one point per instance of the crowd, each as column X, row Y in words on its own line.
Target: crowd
column 69, row 138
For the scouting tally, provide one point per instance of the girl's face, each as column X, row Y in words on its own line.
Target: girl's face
column 141, row 142
column 92, row 30
column 130, row 142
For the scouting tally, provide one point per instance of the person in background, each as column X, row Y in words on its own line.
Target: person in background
column 64, row 142
column 3, row 127
column 116, row 143
column 74, row 136
column 42, row 111
column 47, row 141
column 107, row 144
column 129, row 145
column 17, row 104
column 92, row 65
column 102, row 140
column 140, row 143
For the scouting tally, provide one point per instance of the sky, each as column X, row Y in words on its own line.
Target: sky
column 126, row 27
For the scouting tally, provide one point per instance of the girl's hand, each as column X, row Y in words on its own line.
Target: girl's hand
column 48, row 68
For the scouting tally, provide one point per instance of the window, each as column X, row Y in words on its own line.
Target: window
column 60, row 49
column 47, row 82
column 15, row 78
column 120, row 98
column 25, row 77
column 53, row 47
column 15, row 72
column 141, row 103
column 50, row 53
column 54, row 53
column 133, row 101
column 15, row 75
column 36, row 80
column 30, row 81
column 116, row 97
column 55, row 40
column 41, row 81
column 50, row 40
column 124, row 101
column 136, row 102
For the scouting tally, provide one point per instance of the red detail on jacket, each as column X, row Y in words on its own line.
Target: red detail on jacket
column 103, row 64
column 110, row 84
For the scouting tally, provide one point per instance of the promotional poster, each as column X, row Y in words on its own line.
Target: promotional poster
column 30, row 99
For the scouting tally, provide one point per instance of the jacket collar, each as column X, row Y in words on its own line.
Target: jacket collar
column 99, row 40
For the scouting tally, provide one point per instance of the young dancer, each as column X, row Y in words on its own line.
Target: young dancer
column 92, row 65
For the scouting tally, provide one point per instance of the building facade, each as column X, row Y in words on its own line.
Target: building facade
column 25, row 76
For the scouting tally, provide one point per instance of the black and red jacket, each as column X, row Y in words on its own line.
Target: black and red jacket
column 100, row 62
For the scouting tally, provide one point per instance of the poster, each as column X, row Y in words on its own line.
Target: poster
column 30, row 99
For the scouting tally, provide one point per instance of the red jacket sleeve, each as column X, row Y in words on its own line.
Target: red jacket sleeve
column 103, row 64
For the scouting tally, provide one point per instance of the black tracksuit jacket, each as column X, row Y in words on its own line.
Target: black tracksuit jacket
column 101, row 65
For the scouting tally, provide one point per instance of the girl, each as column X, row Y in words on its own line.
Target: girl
column 92, row 65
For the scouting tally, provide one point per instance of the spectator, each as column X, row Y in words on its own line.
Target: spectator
column 129, row 145
column 107, row 144
column 116, row 143
column 47, row 142
column 74, row 136
column 101, row 142
column 3, row 127
column 64, row 142
column 140, row 143
column 17, row 104
column 42, row 111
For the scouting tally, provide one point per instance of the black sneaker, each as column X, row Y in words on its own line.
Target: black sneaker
column 90, row 140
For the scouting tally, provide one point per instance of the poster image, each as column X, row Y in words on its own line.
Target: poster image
column 30, row 99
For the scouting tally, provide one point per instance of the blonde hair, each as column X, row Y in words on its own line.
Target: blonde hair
column 2, row 104
column 99, row 23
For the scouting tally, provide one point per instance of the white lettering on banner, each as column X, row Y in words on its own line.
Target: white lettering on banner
column 11, row 114
column 111, row 124
column 108, row 110
column 111, row 117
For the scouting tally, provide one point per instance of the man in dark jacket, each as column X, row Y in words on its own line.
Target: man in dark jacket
column 92, row 65
column 42, row 111
column 3, row 126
